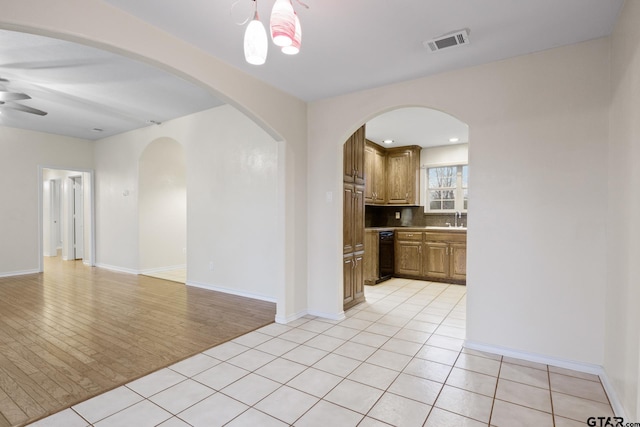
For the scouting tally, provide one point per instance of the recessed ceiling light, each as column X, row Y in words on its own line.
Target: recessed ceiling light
column 454, row 139
column 388, row 141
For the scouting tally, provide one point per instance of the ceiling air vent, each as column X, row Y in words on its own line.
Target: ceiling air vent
column 457, row 38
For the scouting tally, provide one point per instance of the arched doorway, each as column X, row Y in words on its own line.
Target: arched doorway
column 162, row 209
column 409, row 168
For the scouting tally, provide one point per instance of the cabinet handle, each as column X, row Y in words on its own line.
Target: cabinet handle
column 407, row 196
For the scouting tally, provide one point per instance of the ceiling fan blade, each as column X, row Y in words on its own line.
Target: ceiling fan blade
column 12, row 96
column 24, row 109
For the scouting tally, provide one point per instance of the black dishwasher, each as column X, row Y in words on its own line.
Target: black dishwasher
column 385, row 256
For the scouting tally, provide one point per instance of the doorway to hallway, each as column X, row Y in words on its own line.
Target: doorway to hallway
column 66, row 215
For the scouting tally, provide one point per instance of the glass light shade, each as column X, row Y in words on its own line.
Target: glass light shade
column 294, row 47
column 283, row 23
column 256, row 43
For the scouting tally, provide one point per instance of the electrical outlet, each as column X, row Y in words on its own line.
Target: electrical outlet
column 210, row 265
column 397, row 215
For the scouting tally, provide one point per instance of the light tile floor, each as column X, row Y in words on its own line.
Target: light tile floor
column 396, row 360
column 178, row 275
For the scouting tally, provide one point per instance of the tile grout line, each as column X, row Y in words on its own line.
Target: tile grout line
column 553, row 415
column 495, row 392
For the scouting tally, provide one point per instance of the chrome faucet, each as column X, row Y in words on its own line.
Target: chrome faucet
column 455, row 217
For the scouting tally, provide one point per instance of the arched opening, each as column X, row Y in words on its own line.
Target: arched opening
column 283, row 118
column 405, row 204
column 162, row 210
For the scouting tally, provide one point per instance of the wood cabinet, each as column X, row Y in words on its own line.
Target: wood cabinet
column 375, row 167
column 403, row 175
column 353, row 218
column 353, row 280
column 353, row 158
column 458, row 261
column 436, row 260
column 408, row 258
column 371, row 256
column 439, row 256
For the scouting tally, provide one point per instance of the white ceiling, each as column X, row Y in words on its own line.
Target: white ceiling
column 83, row 88
column 416, row 126
column 346, row 46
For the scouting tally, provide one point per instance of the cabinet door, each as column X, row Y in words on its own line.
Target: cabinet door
column 358, row 218
column 348, row 285
column 348, row 161
column 358, row 155
column 458, row 261
column 437, row 260
column 407, row 258
column 369, row 174
column 380, row 177
column 358, row 278
column 371, row 255
column 353, row 158
column 347, row 218
column 398, row 173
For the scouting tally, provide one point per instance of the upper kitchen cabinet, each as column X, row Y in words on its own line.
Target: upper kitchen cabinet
column 375, row 167
column 354, row 158
column 403, row 175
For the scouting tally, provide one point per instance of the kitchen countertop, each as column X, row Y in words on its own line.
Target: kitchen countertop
column 423, row 228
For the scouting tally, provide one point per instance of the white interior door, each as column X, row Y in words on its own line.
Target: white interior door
column 78, row 219
column 55, row 240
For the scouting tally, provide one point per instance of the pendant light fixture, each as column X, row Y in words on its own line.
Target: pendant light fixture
column 284, row 26
column 283, row 23
column 256, row 44
column 294, row 47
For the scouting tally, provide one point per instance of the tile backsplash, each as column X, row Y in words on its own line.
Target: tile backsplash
column 411, row 216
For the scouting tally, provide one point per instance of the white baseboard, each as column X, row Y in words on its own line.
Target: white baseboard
column 290, row 318
column 330, row 316
column 612, row 394
column 161, row 269
column 19, row 273
column 559, row 362
column 230, row 291
column 118, row 269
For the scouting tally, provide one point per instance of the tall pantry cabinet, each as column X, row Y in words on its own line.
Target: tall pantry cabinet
column 353, row 219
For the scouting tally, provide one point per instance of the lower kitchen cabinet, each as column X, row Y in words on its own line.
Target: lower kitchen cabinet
column 353, row 272
column 371, row 257
column 408, row 258
column 437, row 256
column 458, row 261
column 437, row 260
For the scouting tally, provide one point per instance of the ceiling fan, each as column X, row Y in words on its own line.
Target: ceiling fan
column 7, row 100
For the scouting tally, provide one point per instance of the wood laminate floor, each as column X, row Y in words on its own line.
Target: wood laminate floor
column 76, row 331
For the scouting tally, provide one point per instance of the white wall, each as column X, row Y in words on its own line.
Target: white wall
column 22, row 152
column 536, row 239
column 232, row 194
column 162, row 202
column 622, row 354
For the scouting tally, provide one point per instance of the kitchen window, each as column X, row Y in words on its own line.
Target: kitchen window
column 448, row 188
